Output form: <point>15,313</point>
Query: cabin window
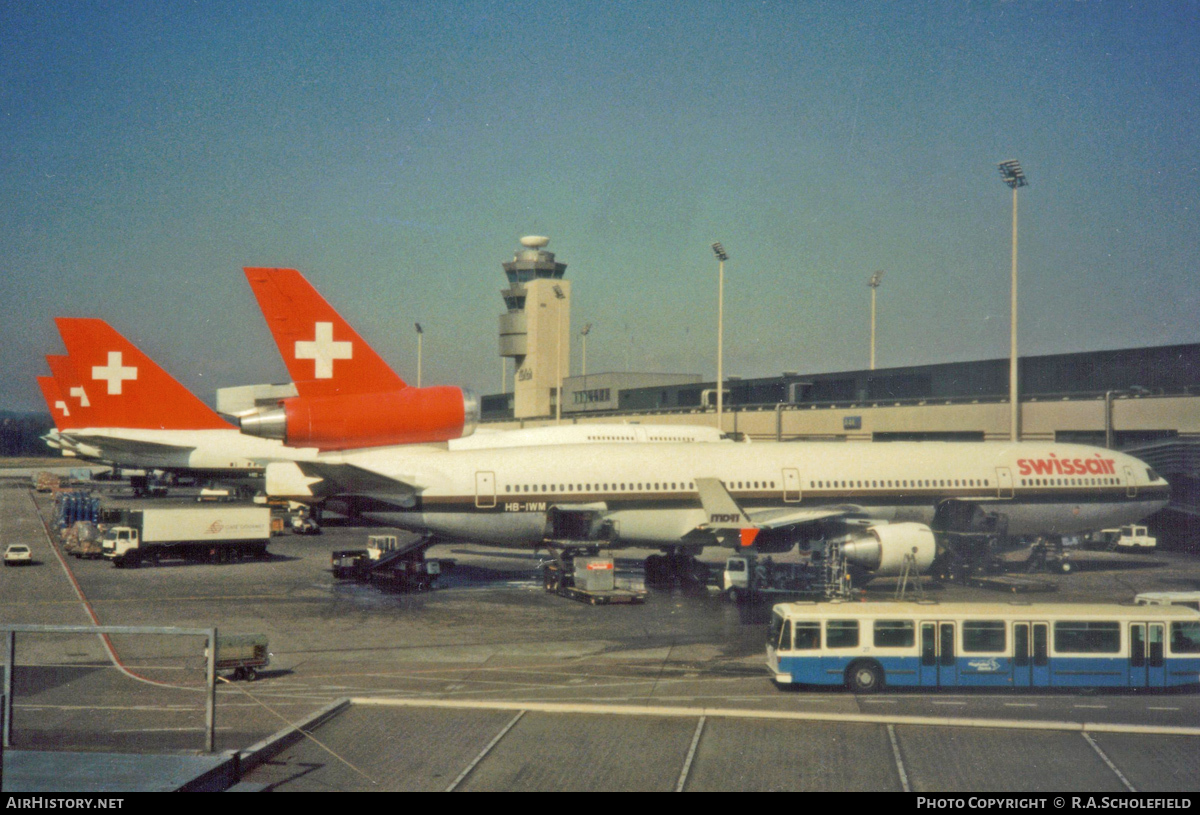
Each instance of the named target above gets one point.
<point>841,634</point>
<point>806,636</point>
<point>1087,637</point>
<point>1185,638</point>
<point>983,636</point>
<point>895,634</point>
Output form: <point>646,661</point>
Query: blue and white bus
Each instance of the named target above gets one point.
<point>865,646</point>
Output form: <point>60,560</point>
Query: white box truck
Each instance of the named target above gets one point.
<point>212,534</point>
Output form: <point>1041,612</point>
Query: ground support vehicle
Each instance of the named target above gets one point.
<point>588,579</point>
<point>17,554</point>
<point>244,654</point>
<point>304,524</point>
<point>1191,599</point>
<point>746,578</point>
<point>47,482</point>
<point>1131,538</point>
<point>215,534</point>
<point>81,540</point>
<point>866,646</point>
<point>387,561</point>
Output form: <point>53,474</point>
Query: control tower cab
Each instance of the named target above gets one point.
<point>536,329</point>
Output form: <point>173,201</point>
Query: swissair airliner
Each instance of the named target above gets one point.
<point>880,501</point>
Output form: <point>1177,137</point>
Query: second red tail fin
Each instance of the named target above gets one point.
<point>124,387</point>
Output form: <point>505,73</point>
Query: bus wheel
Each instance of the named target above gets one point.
<point>865,677</point>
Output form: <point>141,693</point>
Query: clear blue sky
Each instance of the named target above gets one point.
<point>394,152</point>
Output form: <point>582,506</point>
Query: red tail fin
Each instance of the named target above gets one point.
<point>323,354</point>
<point>60,412</point>
<point>124,387</point>
<point>76,408</point>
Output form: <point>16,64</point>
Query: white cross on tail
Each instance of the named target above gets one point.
<point>323,351</point>
<point>114,373</point>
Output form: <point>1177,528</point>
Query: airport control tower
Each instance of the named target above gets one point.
<point>536,331</point>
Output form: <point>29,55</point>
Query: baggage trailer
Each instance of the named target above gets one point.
<point>244,654</point>
<point>212,534</point>
<point>588,580</point>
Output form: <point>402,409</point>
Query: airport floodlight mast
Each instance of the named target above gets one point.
<point>587,329</point>
<point>558,295</point>
<point>1012,175</point>
<point>722,256</point>
<point>873,283</point>
<point>420,337</point>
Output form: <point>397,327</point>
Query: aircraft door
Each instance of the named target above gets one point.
<point>791,485</point>
<point>1130,483</point>
<point>1004,482</point>
<point>1146,668</point>
<point>939,663</point>
<point>485,490</point>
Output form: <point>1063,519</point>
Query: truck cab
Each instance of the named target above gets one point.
<point>118,541</point>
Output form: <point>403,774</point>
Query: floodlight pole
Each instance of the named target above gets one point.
<point>558,294</point>
<point>873,283</point>
<point>587,329</point>
<point>1014,177</point>
<point>722,256</point>
<point>420,338</point>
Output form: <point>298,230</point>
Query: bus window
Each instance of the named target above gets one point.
<point>841,634</point>
<point>984,637</point>
<point>1137,645</point>
<point>1077,637</point>
<point>928,644</point>
<point>895,634</point>
<point>1185,638</point>
<point>806,636</point>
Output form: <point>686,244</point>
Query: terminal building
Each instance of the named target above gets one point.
<point>1145,401</point>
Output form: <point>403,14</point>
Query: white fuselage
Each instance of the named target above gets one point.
<point>501,496</point>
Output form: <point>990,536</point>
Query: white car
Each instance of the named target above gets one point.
<point>17,554</point>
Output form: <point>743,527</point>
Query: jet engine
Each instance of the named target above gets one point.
<point>406,416</point>
<point>882,548</point>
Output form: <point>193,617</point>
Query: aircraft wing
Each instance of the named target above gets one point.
<point>319,479</point>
